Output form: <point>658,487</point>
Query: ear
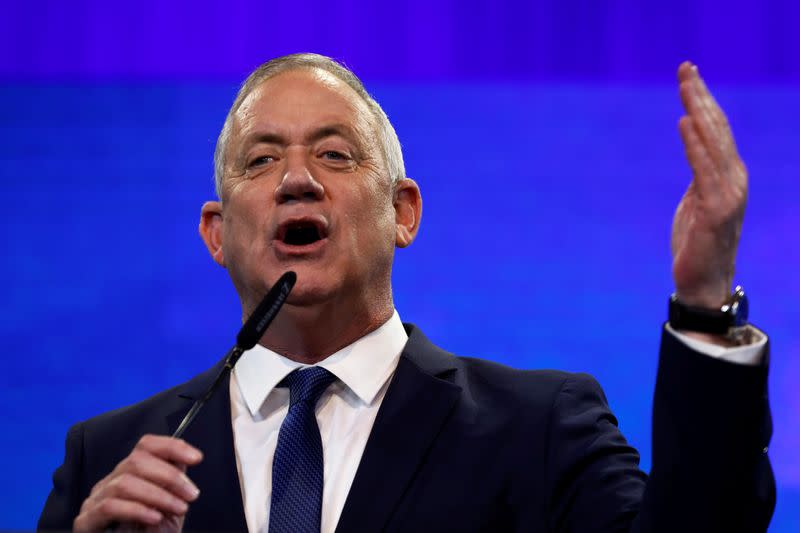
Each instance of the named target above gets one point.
<point>211,230</point>
<point>408,211</point>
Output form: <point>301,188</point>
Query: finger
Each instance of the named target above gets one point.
<point>687,78</point>
<point>685,71</point>
<point>156,470</point>
<point>133,488</point>
<point>703,119</point>
<point>691,97</point>
<point>708,99</point>
<point>723,145</point>
<point>705,173</point>
<point>719,117</point>
<point>115,510</point>
<point>731,166</point>
<point>710,123</point>
<point>170,449</point>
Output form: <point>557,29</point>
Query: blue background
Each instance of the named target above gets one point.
<point>543,135</point>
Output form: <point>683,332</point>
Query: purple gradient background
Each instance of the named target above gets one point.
<point>542,134</point>
<point>741,41</point>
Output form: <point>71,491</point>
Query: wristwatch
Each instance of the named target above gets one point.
<point>728,320</point>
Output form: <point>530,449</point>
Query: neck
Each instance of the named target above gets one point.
<point>310,333</point>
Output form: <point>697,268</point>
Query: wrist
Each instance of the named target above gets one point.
<point>720,324</point>
<point>709,297</point>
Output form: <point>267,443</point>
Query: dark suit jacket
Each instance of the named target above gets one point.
<point>464,444</point>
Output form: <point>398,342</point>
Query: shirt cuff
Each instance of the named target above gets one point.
<point>749,354</point>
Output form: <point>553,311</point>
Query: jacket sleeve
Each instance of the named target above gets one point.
<point>710,471</point>
<point>66,497</point>
<point>593,478</point>
<point>711,431</point>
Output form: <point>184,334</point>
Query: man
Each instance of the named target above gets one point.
<point>386,431</point>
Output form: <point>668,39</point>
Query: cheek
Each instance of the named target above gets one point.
<point>378,223</point>
<point>242,228</point>
<point>377,200</point>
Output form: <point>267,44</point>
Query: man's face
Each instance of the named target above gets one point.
<point>305,189</point>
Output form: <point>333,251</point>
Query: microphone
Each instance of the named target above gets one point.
<point>248,336</point>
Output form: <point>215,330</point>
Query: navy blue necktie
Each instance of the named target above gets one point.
<point>297,469</point>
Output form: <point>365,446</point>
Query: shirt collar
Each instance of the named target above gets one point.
<point>364,366</point>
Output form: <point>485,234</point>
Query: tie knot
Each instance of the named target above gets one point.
<point>307,384</point>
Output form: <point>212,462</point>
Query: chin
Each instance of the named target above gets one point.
<point>311,288</point>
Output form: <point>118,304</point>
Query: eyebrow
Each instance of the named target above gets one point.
<point>328,130</point>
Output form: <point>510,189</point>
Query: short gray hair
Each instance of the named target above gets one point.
<point>389,143</point>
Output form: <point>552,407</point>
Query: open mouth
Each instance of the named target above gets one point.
<point>301,232</point>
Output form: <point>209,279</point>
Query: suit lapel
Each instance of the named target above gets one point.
<point>219,506</point>
<point>413,411</point>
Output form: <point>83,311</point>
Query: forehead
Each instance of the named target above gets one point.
<point>297,100</point>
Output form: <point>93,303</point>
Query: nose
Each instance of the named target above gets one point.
<point>297,184</point>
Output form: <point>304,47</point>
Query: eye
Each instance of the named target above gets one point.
<point>334,155</point>
<point>260,161</point>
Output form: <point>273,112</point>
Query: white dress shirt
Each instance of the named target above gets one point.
<point>345,412</point>
<point>748,354</point>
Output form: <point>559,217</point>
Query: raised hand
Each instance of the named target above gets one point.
<point>147,488</point>
<point>708,221</point>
